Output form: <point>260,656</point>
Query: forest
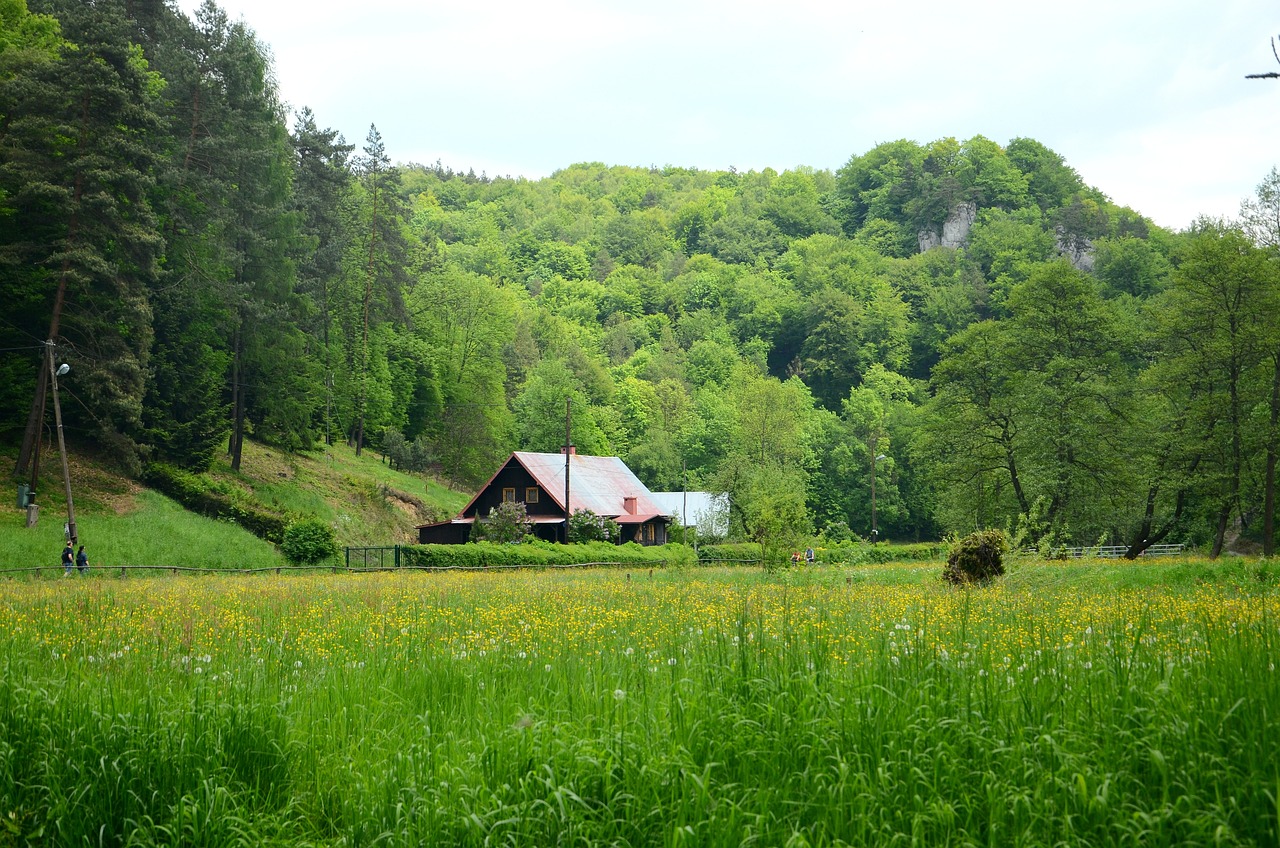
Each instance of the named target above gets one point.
<point>936,337</point>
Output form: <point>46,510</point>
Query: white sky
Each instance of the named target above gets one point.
<point>1147,100</point>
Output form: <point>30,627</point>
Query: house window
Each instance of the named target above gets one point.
<point>531,494</point>
<point>508,495</point>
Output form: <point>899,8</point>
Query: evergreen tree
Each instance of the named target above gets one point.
<point>322,178</point>
<point>76,215</point>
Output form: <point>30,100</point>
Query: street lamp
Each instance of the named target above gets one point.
<point>875,534</point>
<point>61,371</point>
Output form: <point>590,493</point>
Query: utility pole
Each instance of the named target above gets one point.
<point>568,458</point>
<point>875,534</point>
<point>62,445</point>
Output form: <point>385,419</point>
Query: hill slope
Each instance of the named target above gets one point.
<point>123,523</point>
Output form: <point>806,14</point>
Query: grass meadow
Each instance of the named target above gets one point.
<point>1067,705</point>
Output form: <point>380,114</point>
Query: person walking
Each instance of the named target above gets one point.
<point>68,558</point>
<point>82,560</point>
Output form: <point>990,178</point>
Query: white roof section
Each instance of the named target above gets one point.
<point>706,510</point>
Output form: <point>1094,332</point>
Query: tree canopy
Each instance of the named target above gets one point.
<point>1024,353</point>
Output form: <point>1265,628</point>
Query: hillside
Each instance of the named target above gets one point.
<point>122,522</point>
<point>366,501</point>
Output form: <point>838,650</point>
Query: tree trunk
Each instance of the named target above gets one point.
<point>368,297</point>
<point>236,444</point>
<point>1221,532</point>
<point>1012,465</point>
<point>1269,484</point>
<point>1144,537</point>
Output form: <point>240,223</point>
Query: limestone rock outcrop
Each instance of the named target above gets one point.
<point>955,230</point>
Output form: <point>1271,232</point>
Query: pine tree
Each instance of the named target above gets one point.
<point>76,214</point>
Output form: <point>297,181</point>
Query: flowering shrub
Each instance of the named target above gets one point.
<point>586,526</point>
<point>506,524</point>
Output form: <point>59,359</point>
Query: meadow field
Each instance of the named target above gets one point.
<point>1066,705</point>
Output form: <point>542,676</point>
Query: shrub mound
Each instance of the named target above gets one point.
<point>308,542</point>
<point>977,558</point>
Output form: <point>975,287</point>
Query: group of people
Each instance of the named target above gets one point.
<point>807,556</point>
<point>78,559</point>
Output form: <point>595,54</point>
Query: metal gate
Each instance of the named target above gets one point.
<point>383,557</point>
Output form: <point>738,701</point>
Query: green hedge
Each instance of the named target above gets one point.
<point>535,554</point>
<point>201,495</point>
<point>861,553</point>
<point>745,552</point>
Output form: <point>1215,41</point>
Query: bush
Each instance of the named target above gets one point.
<point>506,524</point>
<point>405,455</point>
<point>977,558</point>
<point>747,553</point>
<point>864,553</point>
<point>308,541</point>
<point>586,526</point>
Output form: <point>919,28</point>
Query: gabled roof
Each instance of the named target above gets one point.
<point>597,483</point>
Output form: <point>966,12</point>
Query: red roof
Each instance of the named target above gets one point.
<point>636,519</point>
<point>598,483</point>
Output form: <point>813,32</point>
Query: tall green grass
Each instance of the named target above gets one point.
<point>158,532</point>
<point>705,707</point>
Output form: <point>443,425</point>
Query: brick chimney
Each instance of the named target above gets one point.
<point>629,505</point>
<point>572,450</point>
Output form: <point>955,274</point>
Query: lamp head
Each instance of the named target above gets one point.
<point>63,369</point>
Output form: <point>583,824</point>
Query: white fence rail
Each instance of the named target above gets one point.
<point>1117,551</point>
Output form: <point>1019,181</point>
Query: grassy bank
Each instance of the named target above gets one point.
<point>152,531</point>
<point>707,706</point>
<point>123,523</point>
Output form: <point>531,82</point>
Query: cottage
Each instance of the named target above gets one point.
<point>602,484</point>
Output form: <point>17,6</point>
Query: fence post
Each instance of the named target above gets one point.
<point>397,556</point>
